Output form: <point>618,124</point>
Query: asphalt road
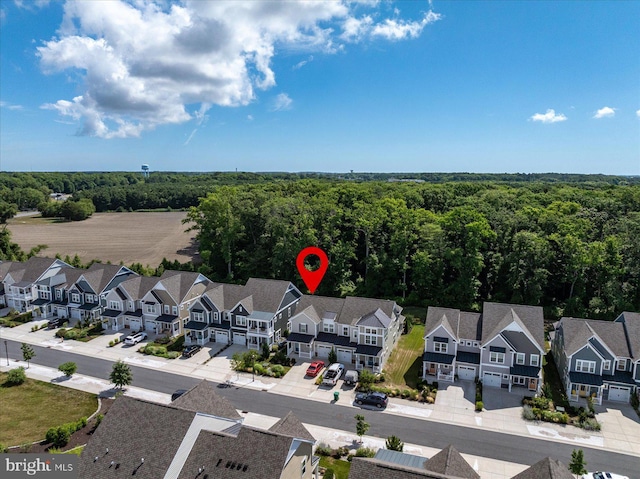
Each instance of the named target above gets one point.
<point>504,447</point>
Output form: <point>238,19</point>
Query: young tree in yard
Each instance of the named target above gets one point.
<point>333,356</point>
<point>577,465</point>
<point>68,368</point>
<point>27,353</point>
<point>393,443</point>
<point>266,351</point>
<point>121,375</point>
<point>361,426</point>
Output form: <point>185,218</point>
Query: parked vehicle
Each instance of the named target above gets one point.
<point>177,394</point>
<point>55,322</point>
<point>135,338</point>
<point>189,351</point>
<point>603,475</point>
<point>351,377</point>
<point>314,368</point>
<point>334,372</point>
<point>379,400</point>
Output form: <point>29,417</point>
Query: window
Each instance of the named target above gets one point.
<point>150,308</point>
<point>621,365</point>
<point>280,316</point>
<point>475,344</point>
<point>469,343</point>
<point>355,334</point>
<point>75,298</point>
<point>197,316</point>
<point>328,327</point>
<point>58,294</point>
<point>520,358</point>
<point>303,467</point>
<point>535,360</point>
<point>114,305</point>
<point>372,340</point>
<point>241,320</point>
<point>89,298</point>
<point>174,310</point>
<point>345,330</point>
<point>583,366</point>
<point>289,312</point>
<point>495,357</point>
<point>215,316</point>
<point>130,305</point>
<point>302,327</point>
<point>440,347</point>
<point>606,365</point>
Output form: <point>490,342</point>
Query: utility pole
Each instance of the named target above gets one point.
<point>6,348</point>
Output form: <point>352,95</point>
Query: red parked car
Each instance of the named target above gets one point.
<point>314,368</point>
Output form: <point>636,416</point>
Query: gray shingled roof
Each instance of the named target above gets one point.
<point>355,308</point>
<point>31,269</point>
<point>320,304</point>
<point>366,468</point>
<point>449,461</point>
<point>612,334</point>
<point>5,266</point>
<point>578,331</point>
<point>470,326</point>
<point>180,284</point>
<point>377,319</point>
<point>291,426</point>
<point>267,293</point>
<point>203,398</point>
<point>225,456</point>
<point>497,316</point>
<point>631,322</point>
<point>437,316</point>
<point>131,430</point>
<point>100,275</point>
<point>138,286</point>
<point>547,468</point>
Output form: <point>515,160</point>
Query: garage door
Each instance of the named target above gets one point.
<point>239,338</point>
<point>222,337</point>
<point>344,356</point>
<point>75,313</point>
<point>466,372</point>
<point>491,380</point>
<point>618,393</point>
<point>134,324</point>
<point>150,326</point>
<point>323,351</point>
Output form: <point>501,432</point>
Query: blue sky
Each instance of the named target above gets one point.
<point>504,86</point>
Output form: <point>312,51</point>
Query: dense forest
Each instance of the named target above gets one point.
<point>567,242</point>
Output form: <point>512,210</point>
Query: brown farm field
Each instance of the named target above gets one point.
<point>143,238</point>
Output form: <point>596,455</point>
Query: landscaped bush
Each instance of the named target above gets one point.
<point>173,355</point>
<point>277,370</point>
<point>479,406</point>
<point>59,436</point>
<point>15,377</point>
<point>328,474</point>
<point>365,452</point>
<point>3,449</point>
<point>540,403</point>
<point>323,450</point>
<point>590,424</point>
<point>527,413</point>
<point>163,340</point>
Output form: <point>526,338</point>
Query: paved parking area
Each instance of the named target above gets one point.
<point>499,398</point>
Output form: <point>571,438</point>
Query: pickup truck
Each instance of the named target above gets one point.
<point>333,373</point>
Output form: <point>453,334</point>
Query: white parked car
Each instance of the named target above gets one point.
<point>603,475</point>
<point>135,338</point>
<point>332,374</point>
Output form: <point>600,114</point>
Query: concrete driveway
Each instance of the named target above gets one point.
<point>498,398</point>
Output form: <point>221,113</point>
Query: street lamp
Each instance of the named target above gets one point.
<point>6,348</point>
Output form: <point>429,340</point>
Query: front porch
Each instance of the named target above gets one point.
<point>196,332</point>
<point>300,345</point>
<point>113,319</point>
<point>369,357</point>
<point>525,376</point>
<point>438,365</point>
<point>583,385</point>
<point>167,324</point>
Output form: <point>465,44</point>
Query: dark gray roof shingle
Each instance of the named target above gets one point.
<point>449,461</point>
<point>291,426</point>
<point>497,316</point>
<point>203,398</point>
<point>547,468</point>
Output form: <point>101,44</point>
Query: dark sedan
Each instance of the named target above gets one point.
<point>189,351</point>
<point>379,400</point>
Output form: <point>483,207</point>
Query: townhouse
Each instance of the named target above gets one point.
<point>598,359</point>
<point>200,434</point>
<point>123,304</point>
<point>362,331</point>
<point>503,346</point>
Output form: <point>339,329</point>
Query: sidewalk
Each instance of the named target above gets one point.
<point>620,426</point>
<point>487,468</point>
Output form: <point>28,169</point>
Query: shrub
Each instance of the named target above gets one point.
<point>527,413</point>
<point>99,419</point>
<point>435,384</point>
<point>590,424</point>
<point>3,449</point>
<point>15,377</point>
<point>319,380</point>
<point>342,451</point>
<point>258,369</point>
<point>277,370</point>
<point>69,368</point>
<point>365,452</point>
<point>60,333</point>
<point>323,449</point>
<point>173,354</point>
<point>328,473</point>
<point>163,340</point>
<point>71,334</point>
<point>479,406</point>
<point>405,393</point>
<point>635,401</point>
<point>111,343</point>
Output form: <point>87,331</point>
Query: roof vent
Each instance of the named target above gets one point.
<point>118,466</point>
<point>219,461</point>
<point>238,467</point>
<point>244,469</point>
<point>228,464</point>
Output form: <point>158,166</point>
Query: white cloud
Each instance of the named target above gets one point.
<point>638,113</point>
<point>250,117</point>
<point>549,117</point>
<point>31,4</point>
<point>605,112</point>
<point>10,106</point>
<point>299,65</point>
<point>282,102</point>
<point>146,63</point>
<point>190,137</point>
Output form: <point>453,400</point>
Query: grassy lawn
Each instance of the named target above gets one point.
<point>340,467</point>
<point>404,367</point>
<point>552,378</point>
<point>33,407</point>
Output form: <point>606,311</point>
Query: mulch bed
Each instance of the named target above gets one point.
<point>78,438</point>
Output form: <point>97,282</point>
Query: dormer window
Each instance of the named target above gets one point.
<point>621,365</point>
<point>328,327</point>
<point>440,345</point>
<point>606,365</point>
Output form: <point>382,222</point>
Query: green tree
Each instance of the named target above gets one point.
<point>333,356</point>
<point>69,368</point>
<point>266,351</point>
<point>16,376</point>
<point>27,353</point>
<point>393,443</point>
<point>121,375</point>
<point>577,465</point>
<point>361,426</point>
<point>7,211</point>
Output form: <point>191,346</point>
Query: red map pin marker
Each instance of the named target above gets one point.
<point>312,278</point>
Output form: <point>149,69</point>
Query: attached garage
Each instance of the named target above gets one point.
<point>240,338</point>
<point>467,373</point>
<point>150,327</point>
<point>75,314</point>
<point>619,393</point>
<point>222,337</point>
<point>491,379</point>
<point>344,356</point>
<point>135,324</point>
<point>323,351</point>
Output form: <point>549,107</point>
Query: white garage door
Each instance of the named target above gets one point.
<point>134,324</point>
<point>466,372</point>
<point>239,338</point>
<point>491,379</point>
<point>344,356</point>
<point>618,393</point>
<point>323,351</point>
<point>75,313</point>
<point>222,337</point>
<point>150,326</point>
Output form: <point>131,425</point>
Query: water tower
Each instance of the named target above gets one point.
<point>145,170</point>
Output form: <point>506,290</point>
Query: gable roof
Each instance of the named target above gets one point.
<point>99,275</point>
<point>320,305</point>
<point>368,468</point>
<point>355,308</point>
<point>180,283</point>
<point>547,468</point>
<point>138,286</point>
<point>291,426</point>
<point>268,294</point>
<point>377,319</point>
<point>578,331</point>
<point>497,316</point>
<point>202,398</point>
<point>631,322</point>
<point>31,270</point>
<point>450,462</point>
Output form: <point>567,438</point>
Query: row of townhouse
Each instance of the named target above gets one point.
<point>600,359</point>
<point>362,331</point>
<point>503,346</point>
